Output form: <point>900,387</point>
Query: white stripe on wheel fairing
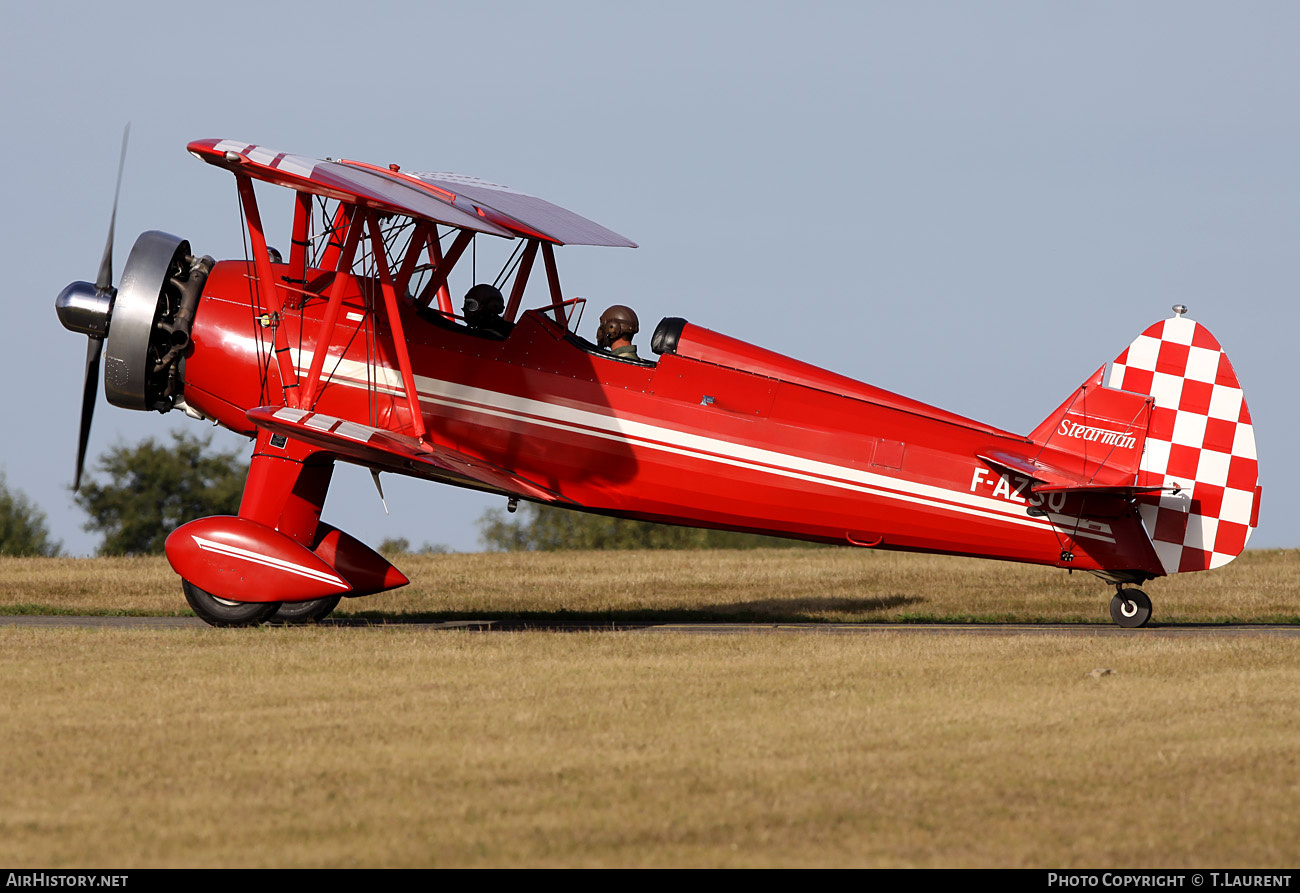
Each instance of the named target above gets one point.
<point>208,545</point>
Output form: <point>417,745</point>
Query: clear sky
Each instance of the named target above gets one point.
<point>973,204</point>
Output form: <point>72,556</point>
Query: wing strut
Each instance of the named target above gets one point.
<point>266,287</point>
<point>438,284</point>
<point>337,287</point>
<point>423,230</point>
<point>395,324</point>
<point>300,240</point>
<point>444,296</point>
<point>338,231</point>
<point>521,279</point>
<point>553,277</point>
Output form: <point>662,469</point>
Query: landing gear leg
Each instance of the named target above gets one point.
<point>1130,608</point>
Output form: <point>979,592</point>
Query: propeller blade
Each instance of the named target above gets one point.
<point>104,281</point>
<point>90,391</point>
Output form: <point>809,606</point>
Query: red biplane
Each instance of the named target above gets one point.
<point>351,350</point>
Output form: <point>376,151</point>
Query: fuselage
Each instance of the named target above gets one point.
<point>714,432</point>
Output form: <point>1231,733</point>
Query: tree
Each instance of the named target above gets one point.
<point>547,529</point>
<point>22,525</point>
<point>400,545</point>
<point>394,545</point>
<point>153,488</point>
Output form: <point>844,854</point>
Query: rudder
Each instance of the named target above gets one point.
<point>1200,444</point>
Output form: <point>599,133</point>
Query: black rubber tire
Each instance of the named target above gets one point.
<point>306,612</point>
<point>220,612</point>
<point>1130,608</point>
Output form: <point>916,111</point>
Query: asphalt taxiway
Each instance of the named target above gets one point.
<point>32,621</point>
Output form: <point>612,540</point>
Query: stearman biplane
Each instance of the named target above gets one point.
<point>351,350</point>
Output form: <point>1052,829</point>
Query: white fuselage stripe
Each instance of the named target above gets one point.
<point>605,426</point>
<point>741,456</point>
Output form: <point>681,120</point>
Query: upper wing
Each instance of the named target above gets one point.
<point>464,202</point>
<point>344,182</point>
<point>378,448</point>
<point>534,214</point>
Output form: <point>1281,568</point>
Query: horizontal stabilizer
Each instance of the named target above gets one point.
<point>1029,467</point>
<point>381,449</point>
<point>1055,480</point>
<point>1118,490</point>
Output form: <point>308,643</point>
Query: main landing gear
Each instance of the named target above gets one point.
<point>223,612</point>
<point>305,612</point>
<point>1130,608</point>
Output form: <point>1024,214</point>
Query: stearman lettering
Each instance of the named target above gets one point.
<point>1105,436</point>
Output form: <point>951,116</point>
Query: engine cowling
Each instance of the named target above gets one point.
<point>144,323</point>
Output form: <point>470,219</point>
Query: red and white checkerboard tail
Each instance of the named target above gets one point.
<point>1200,446</point>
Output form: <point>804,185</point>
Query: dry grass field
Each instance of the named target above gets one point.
<point>402,746</point>
<point>789,585</point>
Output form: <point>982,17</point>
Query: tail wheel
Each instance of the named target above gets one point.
<point>1130,608</point>
<point>223,612</point>
<point>306,612</point>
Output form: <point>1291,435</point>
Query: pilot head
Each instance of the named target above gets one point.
<point>615,323</point>
<point>483,303</point>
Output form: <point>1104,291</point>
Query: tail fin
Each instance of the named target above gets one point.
<point>1171,431</point>
<point>1091,444</point>
<point>1200,446</point>
<point>1095,437</point>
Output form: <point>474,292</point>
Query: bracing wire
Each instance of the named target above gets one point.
<point>509,268</point>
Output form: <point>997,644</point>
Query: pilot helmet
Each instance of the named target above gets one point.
<point>483,302</point>
<point>615,323</point>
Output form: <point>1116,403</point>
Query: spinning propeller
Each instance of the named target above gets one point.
<point>141,326</point>
<point>86,308</point>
